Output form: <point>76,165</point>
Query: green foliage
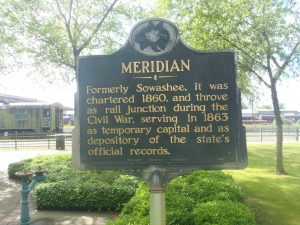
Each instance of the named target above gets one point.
<point>261,31</point>
<point>72,28</point>
<point>206,191</point>
<point>83,195</point>
<point>285,121</point>
<point>265,33</point>
<point>265,107</point>
<point>54,163</point>
<point>66,188</point>
<point>222,213</point>
<point>136,211</point>
<point>7,39</point>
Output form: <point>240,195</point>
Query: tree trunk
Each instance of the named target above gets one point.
<point>279,131</point>
<point>76,58</point>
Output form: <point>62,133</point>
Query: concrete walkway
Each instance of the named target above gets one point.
<point>10,207</point>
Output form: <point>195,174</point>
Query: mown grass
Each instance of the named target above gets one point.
<point>275,199</point>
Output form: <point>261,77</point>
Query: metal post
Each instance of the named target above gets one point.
<point>157,208</point>
<point>297,134</point>
<point>27,186</point>
<point>16,137</point>
<point>261,134</point>
<point>157,188</point>
<point>48,139</point>
<point>25,218</point>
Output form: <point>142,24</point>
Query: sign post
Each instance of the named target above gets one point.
<point>157,188</point>
<point>158,109</point>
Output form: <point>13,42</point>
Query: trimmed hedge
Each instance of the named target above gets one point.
<point>202,198</point>
<point>68,189</point>
<point>88,195</point>
<point>222,213</point>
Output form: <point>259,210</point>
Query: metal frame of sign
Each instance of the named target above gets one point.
<point>157,103</point>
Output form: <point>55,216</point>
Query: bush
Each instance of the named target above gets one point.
<point>53,163</point>
<point>87,195</point>
<point>67,188</point>
<point>186,196</point>
<point>137,210</point>
<point>222,213</point>
<point>285,121</point>
<point>203,186</point>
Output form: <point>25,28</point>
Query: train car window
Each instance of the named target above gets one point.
<point>21,116</point>
<point>46,112</point>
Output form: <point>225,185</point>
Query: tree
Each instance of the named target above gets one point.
<point>59,31</point>
<point>264,32</point>
<point>265,107</point>
<point>7,39</point>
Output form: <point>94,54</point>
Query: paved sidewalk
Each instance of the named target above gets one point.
<point>10,207</point>
<point>9,201</point>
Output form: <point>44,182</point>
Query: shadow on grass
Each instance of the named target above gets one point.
<point>273,198</point>
<point>274,203</point>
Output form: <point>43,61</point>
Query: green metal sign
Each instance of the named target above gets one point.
<point>157,102</point>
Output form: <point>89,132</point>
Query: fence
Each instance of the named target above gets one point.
<point>19,141</point>
<point>261,134</point>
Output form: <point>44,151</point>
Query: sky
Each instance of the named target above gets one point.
<point>23,83</point>
<point>37,87</point>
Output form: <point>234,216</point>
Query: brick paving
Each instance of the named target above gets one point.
<point>13,218</point>
<point>40,217</point>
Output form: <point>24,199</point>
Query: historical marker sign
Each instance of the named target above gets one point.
<point>157,102</point>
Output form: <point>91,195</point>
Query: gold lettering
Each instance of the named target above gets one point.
<point>152,67</point>
<point>185,65</point>
<point>160,66</point>
<point>149,151</point>
<point>174,67</point>
<point>156,66</point>
<point>126,69</point>
<point>145,67</point>
<point>136,67</point>
<point>167,66</point>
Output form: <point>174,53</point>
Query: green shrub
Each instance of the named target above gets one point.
<point>53,163</point>
<point>137,210</point>
<point>67,188</point>
<point>187,196</point>
<point>203,186</point>
<point>87,195</point>
<point>222,213</point>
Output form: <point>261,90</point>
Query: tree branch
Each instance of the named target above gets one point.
<point>70,12</point>
<point>122,12</point>
<point>256,74</point>
<point>287,61</point>
<point>271,56</point>
<point>87,22</point>
<point>245,53</point>
<point>270,72</point>
<point>67,22</point>
<point>97,27</point>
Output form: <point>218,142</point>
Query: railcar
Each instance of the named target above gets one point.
<point>31,117</point>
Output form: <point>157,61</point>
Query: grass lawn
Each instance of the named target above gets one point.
<point>275,199</point>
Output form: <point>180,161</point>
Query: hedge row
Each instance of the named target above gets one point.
<point>68,189</point>
<point>202,198</point>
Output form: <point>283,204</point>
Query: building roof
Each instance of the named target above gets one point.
<point>6,99</point>
<point>14,100</point>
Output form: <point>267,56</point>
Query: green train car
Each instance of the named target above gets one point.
<point>31,117</point>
